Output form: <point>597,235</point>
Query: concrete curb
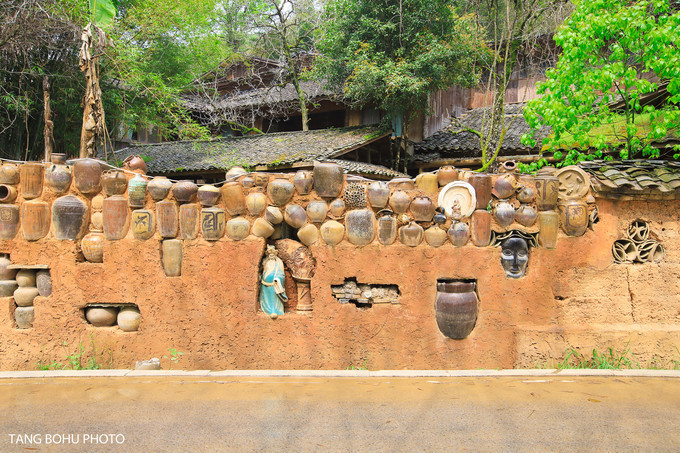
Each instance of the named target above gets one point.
<point>339,373</point>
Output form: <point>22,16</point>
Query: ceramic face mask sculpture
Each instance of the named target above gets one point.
<point>514,257</point>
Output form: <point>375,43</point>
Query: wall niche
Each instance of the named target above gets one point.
<point>364,295</point>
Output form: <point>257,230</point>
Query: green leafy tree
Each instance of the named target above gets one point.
<point>613,53</point>
<point>394,54</point>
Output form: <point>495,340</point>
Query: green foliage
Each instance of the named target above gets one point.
<point>363,366</point>
<point>174,356</point>
<point>80,359</point>
<point>394,54</point>
<point>102,12</point>
<point>611,359</point>
<point>610,47</point>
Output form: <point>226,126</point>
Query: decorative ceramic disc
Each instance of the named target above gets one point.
<point>574,182</point>
<point>459,191</point>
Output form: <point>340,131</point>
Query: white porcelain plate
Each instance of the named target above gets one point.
<point>461,191</point>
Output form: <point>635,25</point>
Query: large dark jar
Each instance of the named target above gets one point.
<point>456,308</point>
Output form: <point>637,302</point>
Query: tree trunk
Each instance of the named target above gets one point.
<point>49,124</point>
<point>93,111</point>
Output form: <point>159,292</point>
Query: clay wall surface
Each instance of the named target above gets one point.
<point>571,296</point>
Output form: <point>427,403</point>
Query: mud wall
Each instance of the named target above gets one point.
<point>571,296</point>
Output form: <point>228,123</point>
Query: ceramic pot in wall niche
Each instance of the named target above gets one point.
<point>137,191</point>
<point>328,179</point>
<point>7,193</point>
<point>43,281</point>
<point>261,179</point>
<point>208,195</point>
<point>526,215</point>
<point>128,319</point>
<point>480,232</point>
<point>458,233</point>
<point>547,191</point>
<point>262,228</point>
<point>115,212</point>
<point>422,209</point>
<point>87,174</point>
<point>159,187</point>
<point>32,174</point>
<point>411,234</point>
<point>548,225</point>
<point>387,227</point>
<point>295,215</point>
<point>273,215</point>
<point>280,191</point>
<point>5,272</point>
<point>9,221</point>
<point>427,182</point>
<point>332,232</point>
<point>184,191</point>
<point>360,225</point>
<point>35,219</point>
<point>25,278</point>
<point>23,296</point>
<point>114,182</point>
<point>456,309</point>
<point>573,217</point>
<point>526,194</point>
<point>168,218</point>
<point>7,288</point>
<point>316,211</point>
<point>378,194</point>
<point>188,220</point>
<point>481,182</point>
<point>135,163</point>
<point>142,224</point>
<point>213,223</point>
<point>58,178</point>
<point>435,236</point>
<point>171,257</point>
<point>505,186</point>
<point>446,174</point>
<point>400,201</point>
<point>238,228</point>
<point>9,173</point>
<point>24,317</point>
<point>97,202</point>
<point>92,247</point>
<point>256,203</point>
<point>101,316</point>
<point>303,182</point>
<point>308,234</point>
<point>439,216</point>
<point>337,209</point>
<point>69,216</point>
<point>97,221</point>
<point>504,213</point>
<point>233,198</point>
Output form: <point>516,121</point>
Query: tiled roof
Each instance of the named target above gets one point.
<point>277,149</point>
<point>654,179</point>
<point>363,168</point>
<point>456,139</point>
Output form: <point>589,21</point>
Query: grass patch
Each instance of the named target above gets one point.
<point>80,358</point>
<point>611,359</point>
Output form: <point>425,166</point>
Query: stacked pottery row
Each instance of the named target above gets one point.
<point>24,285</point>
<point>127,318</point>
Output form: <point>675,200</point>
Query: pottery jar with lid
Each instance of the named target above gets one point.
<point>32,174</point>
<point>137,191</point>
<point>328,179</point>
<point>114,182</point>
<point>87,175</point>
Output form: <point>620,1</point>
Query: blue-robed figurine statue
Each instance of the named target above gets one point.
<point>272,293</point>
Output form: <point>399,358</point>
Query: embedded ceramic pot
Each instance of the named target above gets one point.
<point>360,226</point>
<point>547,191</point>
<point>481,228</point>
<point>411,234</point>
<point>573,217</point>
<point>446,175</point>
<point>35,220</point>
<point>115,213</point>
<point>435,236</point>
<point>458,233</point>
<point>328,179</point>
<point>295,215</point>
<point>114,182</point>
<point>184,191</point>
<point>332,232</point>
<point>303,182</point>
<point>280,191</point>
<point>505,186</point>
<point>128,319</point>
<point>337,208</point>
<point>481,182</point>
<point>168,218</point>
<point>213,223</point>
<point>9,173</point>
<point>504,213</point>
<point>427,182</point>
<point>24,317</point>
<point>87,174</point>
<point>526,215</point>
<point>92,247</point>
<point>25,278</point>
<point>32,174</point>
<point>256,203</point>
<point>7,288</point>
<point>261,179</point>
<point>208,195</point>
<point>238,228</point>
<point>143,224</point>
<point>378,194</point>
<point>400,201</point>
<point>101,316</point>
<point>548,225</point>
<point>387,227</point>
<point>456,308</point>
<point>69,216</point>
<point>316,211</point>
<point>171,257</point>
<point>43,281</point>
<point>7,193</point>
<point>9,221</point>
<point>135,163</point>
<point>273,215</point>
<point>137,191</point>
<point>233,198</point>
<point>5,272</point>
<point>526,194</point>
<point>422,209</point>
<point>262,228</point>
<point>159,188</point>
<point>23,296</point>
<point>188,220</point>
<point>58,178</point>
<point>308,234</point>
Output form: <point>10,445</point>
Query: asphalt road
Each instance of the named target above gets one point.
<point>205,414</point>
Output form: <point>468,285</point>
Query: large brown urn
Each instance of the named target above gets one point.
<point>115,213</point>
<point>35,220</point>
<point>456,308</point>
<point>32,180</point>
<point>328,179</point>
<point>87,174</point>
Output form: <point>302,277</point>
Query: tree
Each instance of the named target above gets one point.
<point>515,31</point>
<point>394,54</point>
<point>614,53</point>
